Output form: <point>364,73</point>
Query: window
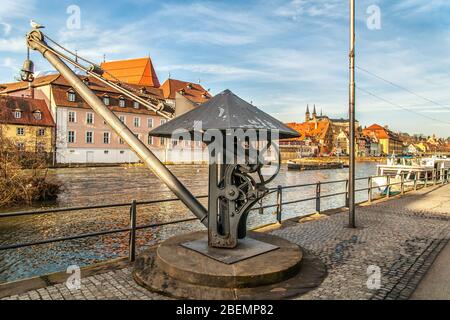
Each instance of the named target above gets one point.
<point>106,137</point>
<point>20,146</point>
<point>71,96</point>
<point>163,121</point>
<point>71,137</point>
<point>150,122</point>
<point>149,139</point>
<point>122,151</point>
<point>137,122</point>
<point>135,104</point>
<point>89,137</point>
<point>20,131</point>
<point>41,132</point>
<point>122,102</point>
<point>174,142</point>
<point>122,119</point>
<point>106,100</point>
<point>106,151</point>
<point>17,114</point>
<point>37,115</point>
<point>162,141</point>
<point>89,118</point>
<point>121,141</point>
<point>72,116</point>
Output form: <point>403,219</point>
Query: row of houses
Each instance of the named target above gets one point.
<point>321,135</point>
<point>49,116</point>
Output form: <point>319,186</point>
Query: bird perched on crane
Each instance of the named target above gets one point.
<point>36,25</point>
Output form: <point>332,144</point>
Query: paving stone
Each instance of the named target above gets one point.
<point>402,237</point>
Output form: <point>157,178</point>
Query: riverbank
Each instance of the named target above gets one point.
<point>398,237</point>
<point>344,160</point>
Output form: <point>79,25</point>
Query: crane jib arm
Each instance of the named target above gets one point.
<point>35,41</point>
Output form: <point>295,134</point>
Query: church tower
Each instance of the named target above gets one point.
<point>314,114</point>
<point>307,115</point>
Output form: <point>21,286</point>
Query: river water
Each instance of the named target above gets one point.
<point>94,186</point>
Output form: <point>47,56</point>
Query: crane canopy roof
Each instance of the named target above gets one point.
<point>224,111</point>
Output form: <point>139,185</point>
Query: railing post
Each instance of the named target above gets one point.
<point>425,183</point>
<point>434,174</point>
<point>279,203</point>
<point>402,184</point>
<point>369,190</point>
<point>388,186</point>
<point>318,197</point>
<point>132,245</point>
<point>346,194</point>
<point>415,179</point>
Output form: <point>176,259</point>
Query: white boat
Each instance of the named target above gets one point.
<point>410,169</point>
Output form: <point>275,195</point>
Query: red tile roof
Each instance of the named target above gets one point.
<point>22,85</point>
<point>380,132</point>
<point>192,91</point>
<point>309,130</point>
<point>60,88</point>
<point>134,71</point>
<point>60,95</point>
<point>28,108</point>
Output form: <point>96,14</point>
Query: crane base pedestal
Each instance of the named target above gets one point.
<point>176,270</point>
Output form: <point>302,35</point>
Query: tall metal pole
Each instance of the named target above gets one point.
<point>35,41</point>
<point>351,111</point>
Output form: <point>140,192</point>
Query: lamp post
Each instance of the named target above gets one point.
<point>351,178</point>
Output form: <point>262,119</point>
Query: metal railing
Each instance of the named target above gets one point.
<point>425,178</point>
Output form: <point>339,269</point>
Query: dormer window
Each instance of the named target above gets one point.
<point>37,115</point>
<point>143,90</point>
<point>71,96</point>
<point>122,102</point>
<point>135,104</point>
<point>106,100</point>
<point>86,81</point>
<point>190,86</point>
<point>17,114</point>
<point>205,95</point>
<point>182,92</point>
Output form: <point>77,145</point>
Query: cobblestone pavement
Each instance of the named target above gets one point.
<point>399,238</point>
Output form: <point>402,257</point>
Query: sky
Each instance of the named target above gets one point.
<point>279,54</point>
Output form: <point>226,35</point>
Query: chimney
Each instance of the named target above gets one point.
<point>31,89</point>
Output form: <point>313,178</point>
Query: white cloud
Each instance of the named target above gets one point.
<point>16,8</point>
<point>214,69</point>
<point>15,45</point>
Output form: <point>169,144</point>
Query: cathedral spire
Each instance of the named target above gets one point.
<point>314,110</point>
<point>307,115</point>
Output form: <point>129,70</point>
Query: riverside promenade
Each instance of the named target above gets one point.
<point>401,237</point>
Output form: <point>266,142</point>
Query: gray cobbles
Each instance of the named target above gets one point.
<point>401,237</point>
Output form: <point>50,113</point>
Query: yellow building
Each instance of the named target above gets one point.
<point>27,123</point>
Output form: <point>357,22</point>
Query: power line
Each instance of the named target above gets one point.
<point>399,106</point>
<point>403,88</point>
